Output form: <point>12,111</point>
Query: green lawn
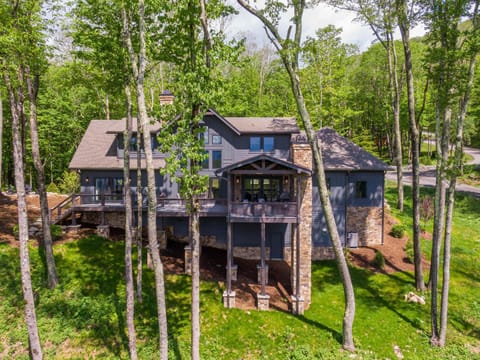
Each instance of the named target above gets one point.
<point>84,317</point>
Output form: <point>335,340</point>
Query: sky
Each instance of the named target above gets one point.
<point>246,25</point>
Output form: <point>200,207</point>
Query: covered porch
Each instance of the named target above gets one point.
<point>263,190</point>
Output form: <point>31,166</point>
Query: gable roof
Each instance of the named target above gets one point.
<point>287,164</point>
<point>97,149</point>
<point>339,153</point>
<point>258,125</point>
<point>264,125</point>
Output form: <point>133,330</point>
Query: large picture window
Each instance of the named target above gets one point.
<point>110,187</point>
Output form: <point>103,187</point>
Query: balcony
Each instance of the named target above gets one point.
<point>263,211</point>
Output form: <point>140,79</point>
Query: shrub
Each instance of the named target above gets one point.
<point>53,188</point>
<point>69,182</point>
<point>56,231</point>
<point>398,231</point>
<point>379,260</point>
<point>15,231</point>
<point>409,251</point>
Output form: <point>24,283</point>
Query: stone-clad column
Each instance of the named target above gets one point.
<point>302,156</point>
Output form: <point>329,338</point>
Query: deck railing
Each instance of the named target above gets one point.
<point>271,209</point>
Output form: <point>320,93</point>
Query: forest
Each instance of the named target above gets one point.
<point>65,64</point>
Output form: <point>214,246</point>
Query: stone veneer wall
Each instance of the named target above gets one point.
<point>250,252</point>
<point>323,253</point>
<point>113,219</point>
<point>367,222</point>
<point>302,156</point>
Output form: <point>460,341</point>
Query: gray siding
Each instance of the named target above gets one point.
<point>342,195</point>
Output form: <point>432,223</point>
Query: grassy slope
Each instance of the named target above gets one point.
<point>84,317</point>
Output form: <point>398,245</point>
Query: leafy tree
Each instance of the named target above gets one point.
<point>453,54</point>
<point>199,52</point>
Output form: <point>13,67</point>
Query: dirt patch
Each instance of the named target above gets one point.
<point>8,213</point>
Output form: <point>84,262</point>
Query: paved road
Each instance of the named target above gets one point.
<point>428,174</point>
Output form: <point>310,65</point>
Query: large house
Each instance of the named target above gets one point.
<point>262,201</point>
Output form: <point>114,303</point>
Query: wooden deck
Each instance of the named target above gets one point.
<point>246,212</point>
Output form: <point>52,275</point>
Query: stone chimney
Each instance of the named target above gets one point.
<point>166,98</point>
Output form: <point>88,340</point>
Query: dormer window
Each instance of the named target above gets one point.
<point>262,143</point>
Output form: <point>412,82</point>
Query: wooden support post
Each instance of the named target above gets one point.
<point>262,257</point>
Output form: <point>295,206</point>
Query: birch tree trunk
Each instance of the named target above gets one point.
<point>289,53</point>
<point>29,305</point>
<point>404,26</point>
<point>138,62</point>
<point>195,244</point>
<point>139,231</point>
<point>47,243</point>
<point>129,289</point>
<point>395,89</point>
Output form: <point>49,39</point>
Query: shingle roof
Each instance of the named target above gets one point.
<point>259,125</point>
<point>253,159</point>
<point>339,153</point>
<point>97,149</point>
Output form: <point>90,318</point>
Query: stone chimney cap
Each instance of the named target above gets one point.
<point>166,97</point>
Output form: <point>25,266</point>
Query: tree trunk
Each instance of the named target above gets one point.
<point>138,68</point>
<point>139,216</point>
<point>395,88</point>
<point>415,147</point>
<point>47,243</point>
<point>129,289</point>
<point>195,245</point>
<point>30,316</point>
<point>1,140</point>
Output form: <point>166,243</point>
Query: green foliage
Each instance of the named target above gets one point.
<point>53,188</point>
<point>69,183</point>
<point>379,260</point>
<point>398,231</point>
<point>15,230</point>
<point>56,231</point>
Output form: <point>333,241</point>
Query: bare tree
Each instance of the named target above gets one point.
<point>289,50</point>
<point>1,139</point>
<point>16,109</point>
<point>138,64</point>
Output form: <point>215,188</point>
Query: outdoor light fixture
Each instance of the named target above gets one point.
<point>237,179</point>
<point>87,179</point>
<point>285,180</point>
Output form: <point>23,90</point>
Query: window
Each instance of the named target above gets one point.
<point>268,143</point>
<point>216,159</point>
<point>255,143</point>
<point>361,189</point>
<point>216,139</point>
<point>110,187</point>
<point>265,143</point>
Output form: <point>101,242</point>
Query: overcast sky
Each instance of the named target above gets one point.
<point>245,24</point>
